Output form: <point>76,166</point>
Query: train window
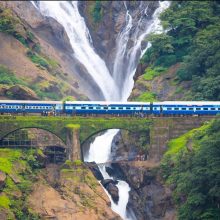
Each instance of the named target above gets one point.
<point>183,108</point>
<point>113,108</point>
<point>169,108</point>
<point>212,108</point>
<point>155,108</point>
<point>83,108</point>
<point>205,109</point>
<point>176,108</point>
<point>218,108</point>
<point>90,107</point>
<point>128,108</point>
<point>198,108</point>
<point>98,107</point>
<point>120,108</point>
<point>105,107</point>
<point>191,109</point>
<point>73,107</point>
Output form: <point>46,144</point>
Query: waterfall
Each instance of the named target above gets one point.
<point>130,56</point>
<point>100,152</point>
<point>67,14</point>
<point>115,86</point>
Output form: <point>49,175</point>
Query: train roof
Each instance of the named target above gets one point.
<point>107,103</point>
<point>29,102</point>
<point>187,103</point>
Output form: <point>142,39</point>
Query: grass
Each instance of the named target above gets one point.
<point>4,202</point>
<point>16,163</point>
<point>7,157</point>
<point>73,126</point>
<point>146,97</point>
<point>38,59</point>
<point>180,143</point>
<point>151,73</point>
<point>8,77</point>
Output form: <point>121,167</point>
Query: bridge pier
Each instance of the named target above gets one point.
<point>73,143</point>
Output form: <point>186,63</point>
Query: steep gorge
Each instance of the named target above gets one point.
<point>115,29</point>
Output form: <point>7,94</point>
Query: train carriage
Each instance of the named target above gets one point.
<point>24,106</point>
<point>106,107</point>
<point>186,108</point>
<point>112,108</point>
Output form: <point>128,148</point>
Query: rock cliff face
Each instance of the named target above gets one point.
<point>30,189</point>
<point>70,194</point>
<point>104,31</point>
<point>40,40</point>
<point>149,197</point>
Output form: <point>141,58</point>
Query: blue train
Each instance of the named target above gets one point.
<point>112,108</point>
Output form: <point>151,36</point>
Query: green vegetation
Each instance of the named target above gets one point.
<point>97,11</point>
<point>73,126</point>
<point>192,39</point>
<point>38,59</point>
<point>192,166</point>
<point>19,167</point>
<point>150,73</point>
<point>68,98</point>
<point>10,24</point>
<point>4,202</point>
<point>8,77</point>
<point>146,97</point>
<point>7,21</point>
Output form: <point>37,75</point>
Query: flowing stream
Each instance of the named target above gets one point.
<point>115,85</point>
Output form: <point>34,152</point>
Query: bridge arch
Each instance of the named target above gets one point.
<point>33,127</point>
<point>41,130</point>
<point>121,148</point>
<point>94,133</point>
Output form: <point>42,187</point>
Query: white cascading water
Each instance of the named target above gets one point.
<point>103,143</point>
<point>125,63</point>
<point>67,14</point>
<point>131,56</point>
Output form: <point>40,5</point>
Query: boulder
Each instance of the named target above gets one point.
<point>95,170</point>
<point>21,93</point>
<point>108,181</point>
<point>112,189</point>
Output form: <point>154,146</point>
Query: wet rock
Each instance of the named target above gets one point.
<point>112,189</point>
<point>148,197</point>
<point>108,181</point>
<point>2,179</point>
<point>95,170</point>
<point>110,171</point>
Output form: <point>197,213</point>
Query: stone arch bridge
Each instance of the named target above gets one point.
<point>74,131</point>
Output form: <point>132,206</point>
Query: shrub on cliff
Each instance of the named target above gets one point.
<point>192,38</point>
<point>8,77</point>
<point>191,165</point>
